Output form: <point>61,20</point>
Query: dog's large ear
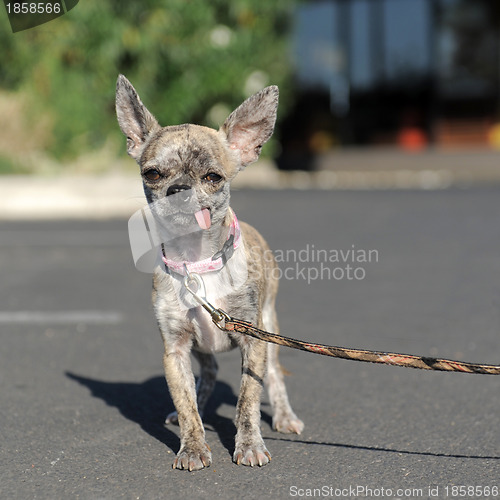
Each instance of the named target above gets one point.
<point>251,125</point>
<point>135,121</point>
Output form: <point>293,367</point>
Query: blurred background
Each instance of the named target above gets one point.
<point>398,79</point>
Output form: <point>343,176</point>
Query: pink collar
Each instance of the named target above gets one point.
<point>214,263</point>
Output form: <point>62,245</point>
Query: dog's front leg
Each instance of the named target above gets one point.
<point>250,448</point>
<point>194,453</point>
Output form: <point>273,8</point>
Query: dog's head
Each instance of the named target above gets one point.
<point>187,169</point>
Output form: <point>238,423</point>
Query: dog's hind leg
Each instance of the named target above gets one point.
<point>206,382</point>
<point>284,418</point>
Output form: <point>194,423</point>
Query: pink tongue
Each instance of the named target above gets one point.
<point>203,218</point>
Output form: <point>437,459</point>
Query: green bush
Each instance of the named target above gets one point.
<point>191,60</point>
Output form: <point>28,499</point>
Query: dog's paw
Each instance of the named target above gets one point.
<point>172,418</point>
<point>193,458</point>
<point>288,424</point>
<point>252,455</point>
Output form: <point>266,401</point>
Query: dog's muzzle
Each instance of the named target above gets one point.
<point>179,188</point>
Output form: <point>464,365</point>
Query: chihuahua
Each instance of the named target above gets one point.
<point>194,165</point>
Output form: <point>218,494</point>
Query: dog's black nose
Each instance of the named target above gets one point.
<point>177,188</point>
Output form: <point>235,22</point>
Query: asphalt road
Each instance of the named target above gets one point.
<point>82,394</point>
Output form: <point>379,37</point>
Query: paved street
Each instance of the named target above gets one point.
<point>82,393</point>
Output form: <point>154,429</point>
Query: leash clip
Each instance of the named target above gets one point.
<point>195,285</point>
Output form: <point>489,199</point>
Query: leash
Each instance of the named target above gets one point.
<point>193,282</point>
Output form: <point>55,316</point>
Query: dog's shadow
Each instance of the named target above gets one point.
<point>148,403</point>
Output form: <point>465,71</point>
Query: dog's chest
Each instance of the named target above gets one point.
<point>194,325</point>
<point>206,336</point>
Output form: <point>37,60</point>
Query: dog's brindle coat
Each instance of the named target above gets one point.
<point>206,161</point>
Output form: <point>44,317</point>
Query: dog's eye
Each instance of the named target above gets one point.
<point>212,177</point>
<point>152,175</point>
